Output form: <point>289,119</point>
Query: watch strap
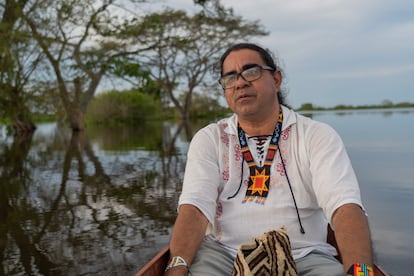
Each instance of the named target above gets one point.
<point>176,261</point>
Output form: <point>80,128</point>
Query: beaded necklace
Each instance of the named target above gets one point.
<point>259,179</point>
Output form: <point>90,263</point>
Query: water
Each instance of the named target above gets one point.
<point>381,147</point>
<point>104,203</point>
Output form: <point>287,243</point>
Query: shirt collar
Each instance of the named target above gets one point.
<point>289,119</point>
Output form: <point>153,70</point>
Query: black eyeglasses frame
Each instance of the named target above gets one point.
<point>237,75</point>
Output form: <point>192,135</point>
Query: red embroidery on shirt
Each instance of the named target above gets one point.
<point>224,136</point>
<point>226,174</point>
<point>279,169</point>
<point>237,152</point>
<point>219,210</point>
<point>285,133</point>
<point>282,147</point>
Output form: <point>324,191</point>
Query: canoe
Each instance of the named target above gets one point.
<point>156,266</point>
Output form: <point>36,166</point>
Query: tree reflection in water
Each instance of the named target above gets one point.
<point>100,202</point>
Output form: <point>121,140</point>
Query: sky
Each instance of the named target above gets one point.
<point>335,52</point>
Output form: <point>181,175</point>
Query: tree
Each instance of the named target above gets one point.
<point>84,41</point>
<point>81,39</point>
<point>387,103</point>
<point>19,58</point>
<point>190,48</point>
<point>306,106</point>
<point>203,106</point>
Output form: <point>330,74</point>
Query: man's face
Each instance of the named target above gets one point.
<point>256,99</point>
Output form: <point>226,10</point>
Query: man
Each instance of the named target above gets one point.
<point>263,168</point>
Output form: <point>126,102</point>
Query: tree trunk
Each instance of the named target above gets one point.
<point>23,127</point>
<point>185,115</point>
<point>20,116</point>
<point>77,120</point>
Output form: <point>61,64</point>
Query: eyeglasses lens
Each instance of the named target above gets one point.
<point>250,74</point>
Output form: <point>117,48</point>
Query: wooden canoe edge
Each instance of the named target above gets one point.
<point>156,266</point>
<point>378,271</point>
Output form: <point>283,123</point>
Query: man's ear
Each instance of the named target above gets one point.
<point>277,76</point>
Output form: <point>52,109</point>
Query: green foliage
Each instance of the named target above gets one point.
<point>128,68</point>
<point>306,106</point>
<point>384,104</point>
<point>206,107</point>
<point>342,107</point>
<point>404,104</point>
<point>189,48</point>
<point>131,106</point>
<point>162,52</point>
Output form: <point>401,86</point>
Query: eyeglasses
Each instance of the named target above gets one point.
<point>249,74</point>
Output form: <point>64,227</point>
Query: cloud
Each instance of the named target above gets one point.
<point>342,46</point>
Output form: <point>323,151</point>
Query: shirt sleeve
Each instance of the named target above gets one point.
<point>201,178</point>
<point>333,178</point>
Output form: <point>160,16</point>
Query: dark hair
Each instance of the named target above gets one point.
<point>265,54</point>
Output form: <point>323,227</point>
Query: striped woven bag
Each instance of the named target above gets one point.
<point>269,254</point>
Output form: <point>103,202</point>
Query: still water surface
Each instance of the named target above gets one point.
<point>103,203</point>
